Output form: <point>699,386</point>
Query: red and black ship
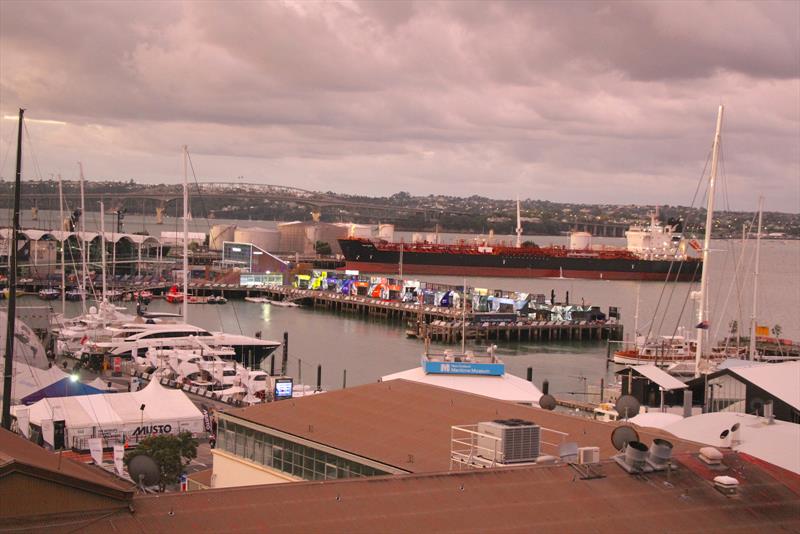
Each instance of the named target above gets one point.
<point>524,262</point>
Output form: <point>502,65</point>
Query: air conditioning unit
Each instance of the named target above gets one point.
<point>518,441</point>
<point>588,455</point>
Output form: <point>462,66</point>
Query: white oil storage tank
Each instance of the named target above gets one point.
<point>580,240</point>
<point>220,233</point>
<point>263,238</point>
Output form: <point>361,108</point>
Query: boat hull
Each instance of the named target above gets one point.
<point>366,257</point>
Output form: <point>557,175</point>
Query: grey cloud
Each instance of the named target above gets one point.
<point>578,101</point>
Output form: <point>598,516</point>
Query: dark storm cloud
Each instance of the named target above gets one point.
<point>570,101</point>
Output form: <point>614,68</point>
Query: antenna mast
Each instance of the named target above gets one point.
<point>519,226</point>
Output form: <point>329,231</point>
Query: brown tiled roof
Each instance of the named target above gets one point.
<point>16,452</point>
<point>544,499</point>
<point>407,425</point>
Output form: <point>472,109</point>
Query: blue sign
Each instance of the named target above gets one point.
<point>462,368</point>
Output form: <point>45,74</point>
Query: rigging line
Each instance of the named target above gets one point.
<point>205,211</point>
<point>684,231</point>
<point>685,300</point>
<point>32,152</point>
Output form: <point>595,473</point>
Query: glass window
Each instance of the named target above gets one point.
<point>249,446</point>
<point>331,471</point>
<point>240,438</point>
<point>258,455</point>
<point>277,457</point>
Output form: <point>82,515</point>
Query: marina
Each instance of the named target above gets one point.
<point>365,301</point>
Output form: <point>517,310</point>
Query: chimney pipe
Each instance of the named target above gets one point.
<point>546,387</point>
<point>319,377</point>
<point>687,402</point>
<point>530,374</point>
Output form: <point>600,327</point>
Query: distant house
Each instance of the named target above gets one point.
<point>747,388</point>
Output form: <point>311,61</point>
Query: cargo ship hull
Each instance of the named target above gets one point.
<point>366,257</point>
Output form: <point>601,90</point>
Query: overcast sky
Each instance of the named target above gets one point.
<point>569,102</point>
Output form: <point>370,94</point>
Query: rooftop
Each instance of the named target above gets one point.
<point>778,379</point>
<point>656,375</point>
<point>17,453</point>
<point>506,387</point>
<point>777,443</point>
<point>408,425</point>
<point>511,499</point>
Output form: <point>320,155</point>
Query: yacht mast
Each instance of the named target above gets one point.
<point>752,351</point>
<point>702,312</point>
<point>63,247</point>
<point>103,249</point>
<point>8,367</point>
<point>82,285</point>
<point>185,234</point>
<point>519,226</point>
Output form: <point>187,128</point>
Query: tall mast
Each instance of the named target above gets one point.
<point>702,312</point>
<point>8,367</point>
<point>519,226</point>
<point>752,351</point>
<point>185,234</point>
<point>82,285</point>
<point>103,248</point>
<point>464,319</point>
<point>63,245</point>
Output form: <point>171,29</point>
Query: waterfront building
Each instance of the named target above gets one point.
<point>391,427</point>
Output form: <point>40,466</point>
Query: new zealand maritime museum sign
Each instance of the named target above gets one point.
<point>462,368</point>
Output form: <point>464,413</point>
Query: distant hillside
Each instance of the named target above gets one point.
<point>456,214</point>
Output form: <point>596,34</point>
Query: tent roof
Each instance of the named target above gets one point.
<point>657,376</point>
<point>107,409</point>
<point>506,387</point>
<point>66,387</point>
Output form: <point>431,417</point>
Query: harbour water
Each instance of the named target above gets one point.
<point>370,348</point>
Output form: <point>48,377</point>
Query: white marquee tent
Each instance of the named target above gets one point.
<point>116,417</point>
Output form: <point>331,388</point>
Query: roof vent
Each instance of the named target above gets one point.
<point>726,485</point>
<point>711,456</point>
<point>660,454</point>
<point>636,455</point>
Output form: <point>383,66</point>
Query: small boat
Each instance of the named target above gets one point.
<point>49,293</point>
<point>285,304</point>
<point>196,299</point>
<point>174,296</point>
<point>74,295</point>
<point>258,300</point>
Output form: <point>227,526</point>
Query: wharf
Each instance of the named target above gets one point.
<point>445,324</point>
<point>441,324</point>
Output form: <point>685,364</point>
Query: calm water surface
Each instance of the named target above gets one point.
<point>369,349</point>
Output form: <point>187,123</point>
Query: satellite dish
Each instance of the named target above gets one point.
<point>547,402</point>
<point>144,470</point>
<point>724,434</point>
<point>627,406</point>
<point>622,435</point>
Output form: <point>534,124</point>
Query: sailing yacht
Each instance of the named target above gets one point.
<point>677,351</point>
